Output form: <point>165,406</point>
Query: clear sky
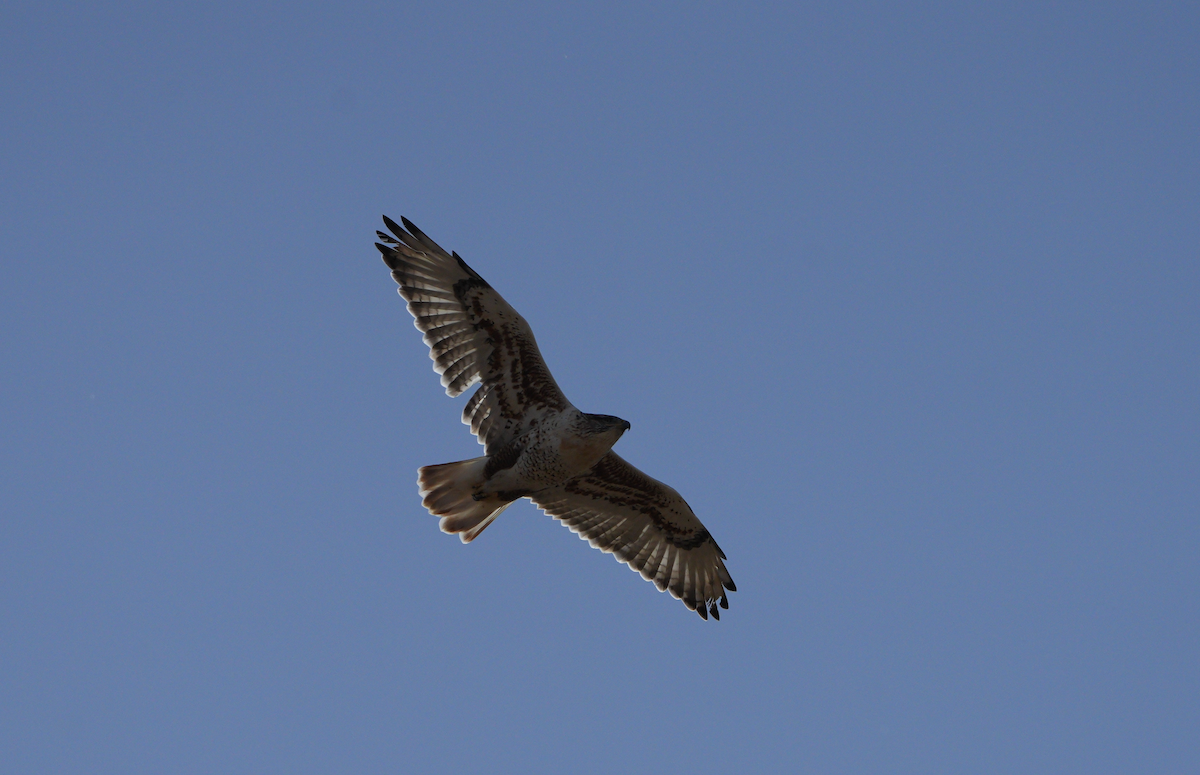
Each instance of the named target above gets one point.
<point>903,298</point>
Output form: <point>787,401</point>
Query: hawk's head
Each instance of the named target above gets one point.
<point>598,424</point>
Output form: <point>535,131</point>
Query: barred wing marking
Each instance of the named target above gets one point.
<point>646,525</point>
<point>474,335</point>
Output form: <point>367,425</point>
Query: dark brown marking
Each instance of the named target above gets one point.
<point>504,458</point>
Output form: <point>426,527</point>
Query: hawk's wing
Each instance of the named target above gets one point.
<point>474,335</point>
<point>648,526</point>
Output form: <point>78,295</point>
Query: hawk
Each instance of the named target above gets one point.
<point>537,444</point>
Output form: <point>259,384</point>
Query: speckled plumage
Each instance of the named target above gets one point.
<point>537,444</point>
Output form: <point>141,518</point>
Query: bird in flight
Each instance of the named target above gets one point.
<point>537,444</point>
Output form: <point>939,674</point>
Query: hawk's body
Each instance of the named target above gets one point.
<point>537,444</point>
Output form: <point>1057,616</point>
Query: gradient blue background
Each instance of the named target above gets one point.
<point>904,301</point>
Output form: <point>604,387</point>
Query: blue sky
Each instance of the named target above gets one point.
<point>902,299</point>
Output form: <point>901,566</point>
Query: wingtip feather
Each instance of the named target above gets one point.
<point>393,227</point>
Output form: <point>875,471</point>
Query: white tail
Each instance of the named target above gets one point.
<point>448,490</point>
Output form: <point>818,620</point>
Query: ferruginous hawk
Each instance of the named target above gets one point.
<point>537,444</point>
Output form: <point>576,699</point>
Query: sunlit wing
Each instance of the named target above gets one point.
<point>474,335</point>
<point>646,525</point>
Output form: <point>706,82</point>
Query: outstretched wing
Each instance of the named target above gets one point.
<point>474,335</point>
<point>648,526</point>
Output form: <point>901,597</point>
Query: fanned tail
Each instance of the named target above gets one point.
<point>448,491</point>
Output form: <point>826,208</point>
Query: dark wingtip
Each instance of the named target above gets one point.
<point>724,602</point>
<point>395,229</point>
<point>731,586</point>
<point>703,611</point>
<point>712,609</point>
<point>385,237</point>
<point>419,237</point>
<point>388,256</point>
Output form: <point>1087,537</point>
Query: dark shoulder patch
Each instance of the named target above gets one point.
<point>474,275</point>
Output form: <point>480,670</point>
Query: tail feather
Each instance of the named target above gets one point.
<point>448,491</point>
